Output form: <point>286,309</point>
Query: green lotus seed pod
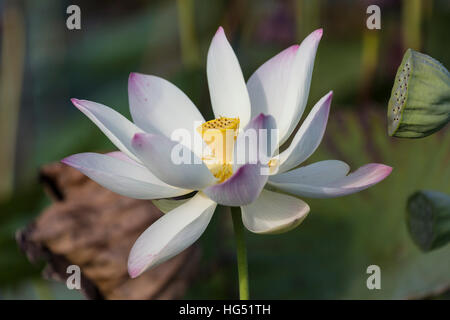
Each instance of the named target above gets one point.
<point>420,98</point>
<point>428,218</point>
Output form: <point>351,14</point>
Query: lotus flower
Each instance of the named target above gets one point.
<point>275,96</point>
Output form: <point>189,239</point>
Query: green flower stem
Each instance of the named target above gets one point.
<point>189,44</point>
<point>241,251</point>
<point>411,19</point>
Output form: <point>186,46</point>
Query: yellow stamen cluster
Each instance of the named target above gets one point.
<point>220,134</point>
<point>221,123</point>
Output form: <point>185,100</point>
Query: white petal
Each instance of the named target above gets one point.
<point>327,179</point>
<point>122,156</point>
<point>269,84</point>
<point>158,106</point>
<point>318,173</point>
<point>308,137</point>
<point>171,234</point>
<point>280,86</point>
<point>274,212</point>
<point>122,177</point>
<point>229,96</point>
<point>172,162</point>
<point>115,126</point>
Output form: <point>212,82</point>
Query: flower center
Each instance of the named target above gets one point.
<point>220,135</point>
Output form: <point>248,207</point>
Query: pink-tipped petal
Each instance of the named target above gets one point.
<point>301,181</point>
<point>242,188</point>
<point>115,126</point>
<point>229,96</point>
<point>169,235</point>
<point>159,107</point>
<point>220,30</point>
<point>318,173</point>
<point>308,137</point>
<point>267,87</point>
<point>318,33</point>
<point>123,177</point>
<point>257,142</point>
<point>172,162</point>
<point>280,87</point>
<point>261,121</point>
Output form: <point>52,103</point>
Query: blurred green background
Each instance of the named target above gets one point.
<point>43,65</point>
